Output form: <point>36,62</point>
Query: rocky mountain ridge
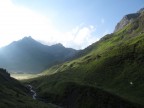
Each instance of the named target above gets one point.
<point>128,19</point>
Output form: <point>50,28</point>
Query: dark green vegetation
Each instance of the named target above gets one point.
<point>107,74</point>
<point>14,95</point>
<point>28,55</point>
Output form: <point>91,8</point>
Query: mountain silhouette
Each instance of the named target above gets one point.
<point>30,56</point>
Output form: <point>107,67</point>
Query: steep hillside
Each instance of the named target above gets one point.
<point>112,68</point>
<point>28,55</point>
<point>14,95</point>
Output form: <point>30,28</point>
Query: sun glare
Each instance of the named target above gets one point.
<point>17,22</point>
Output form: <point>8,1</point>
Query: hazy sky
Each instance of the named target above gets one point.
<point>74,23</point>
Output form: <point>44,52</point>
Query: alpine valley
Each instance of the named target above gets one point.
<point>107,74</point>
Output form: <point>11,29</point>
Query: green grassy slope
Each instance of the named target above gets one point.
<point>14,95</point>
<point>114,65</point>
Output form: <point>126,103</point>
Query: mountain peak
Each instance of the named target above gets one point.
<point>27,38</point>
<point>128,19</point>
<point>141,10</point>
<point>58,45</point>
<point>29,55</point>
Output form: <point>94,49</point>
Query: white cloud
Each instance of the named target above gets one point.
<point>83,37</point>
<point>17,22</point>
<point>78,38</point>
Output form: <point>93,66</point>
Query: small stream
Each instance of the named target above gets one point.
<point>34,94</point>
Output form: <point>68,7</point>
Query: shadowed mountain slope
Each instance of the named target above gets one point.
<point>30,56</point>
<point>15,95</point>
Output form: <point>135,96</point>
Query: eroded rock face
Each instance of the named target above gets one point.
<point>128,19</point>
<point>141,10</point>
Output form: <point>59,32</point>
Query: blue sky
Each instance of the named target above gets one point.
<point>74,23</point>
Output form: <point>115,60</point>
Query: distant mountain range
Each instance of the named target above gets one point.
<point>30,56</point>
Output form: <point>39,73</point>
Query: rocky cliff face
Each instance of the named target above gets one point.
<point>128,19</point>
<point>141,10</point>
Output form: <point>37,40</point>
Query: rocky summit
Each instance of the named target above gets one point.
<point>128,19</point>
